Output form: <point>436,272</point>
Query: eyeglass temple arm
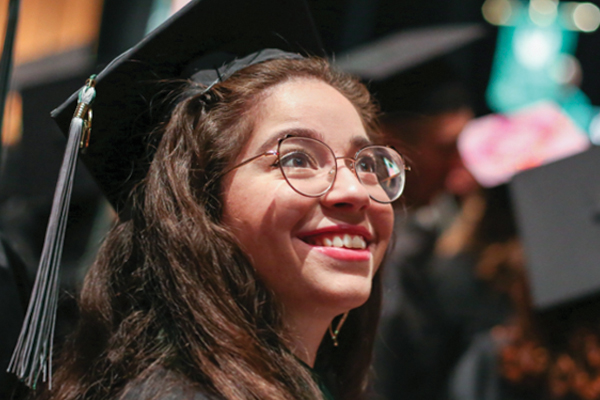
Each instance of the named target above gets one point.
<point>249,160</point>
<point>389,178</point>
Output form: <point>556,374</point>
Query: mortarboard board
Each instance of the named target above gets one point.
<point>209,39</point>
<point>208,33</point>
<point>404,67</point>
<point>557,207</point>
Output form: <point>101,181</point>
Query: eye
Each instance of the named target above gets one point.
<point>366,164</point>
<point>298,159</point>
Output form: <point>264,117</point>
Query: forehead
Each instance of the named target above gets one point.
<point>307,107</point>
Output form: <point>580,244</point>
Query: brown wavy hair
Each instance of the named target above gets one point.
<point>172,290</point>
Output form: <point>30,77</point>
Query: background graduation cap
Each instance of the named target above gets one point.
<point>214,36</point>
<point>405,70</point>
<point>557,207</point>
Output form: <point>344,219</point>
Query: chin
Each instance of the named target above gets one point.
<point>347,294</point>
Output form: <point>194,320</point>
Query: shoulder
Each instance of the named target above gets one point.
<point>163,384</point>
<point>476,375</point>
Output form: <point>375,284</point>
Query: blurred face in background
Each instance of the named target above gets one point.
<point>430,144</point>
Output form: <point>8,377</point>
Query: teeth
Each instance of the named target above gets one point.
<point>347,241</point>
<point>358,243</point>
<point>338,242</point>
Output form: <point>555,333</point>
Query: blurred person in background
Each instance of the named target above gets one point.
<point>545,262</point>
<point>422,330</point>
<point>475,279</point>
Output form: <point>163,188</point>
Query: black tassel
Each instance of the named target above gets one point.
<point>32,357</point>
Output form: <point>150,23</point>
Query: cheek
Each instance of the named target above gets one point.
<point>263,216</point>
<point>265,223</point>
<point>382,218</point>
<point>243,209</point>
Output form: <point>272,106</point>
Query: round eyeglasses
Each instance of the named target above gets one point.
<point>310,166</point>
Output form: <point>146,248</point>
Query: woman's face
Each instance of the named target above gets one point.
<point>286,235</point>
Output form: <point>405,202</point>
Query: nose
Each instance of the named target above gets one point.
<point>347,192</point>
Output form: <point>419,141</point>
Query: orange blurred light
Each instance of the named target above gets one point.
<point>12,123</point>
<point>49,27</point>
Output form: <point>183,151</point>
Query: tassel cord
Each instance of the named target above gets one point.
<point>33,353</point>
<point>32,356</point>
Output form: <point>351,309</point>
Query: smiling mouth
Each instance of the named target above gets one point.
<point>347,241</point>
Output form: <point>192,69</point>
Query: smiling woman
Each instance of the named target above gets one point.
<point>245,262</point>
<point>236,285</point>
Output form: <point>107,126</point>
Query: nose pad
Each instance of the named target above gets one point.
<point>350,164</point>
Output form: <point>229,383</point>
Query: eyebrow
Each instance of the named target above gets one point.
<point>357,142</point>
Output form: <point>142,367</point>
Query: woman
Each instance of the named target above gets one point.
<point>253,216</point>
<point>233,264</point>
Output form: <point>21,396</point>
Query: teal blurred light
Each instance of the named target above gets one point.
<point>529,66</point>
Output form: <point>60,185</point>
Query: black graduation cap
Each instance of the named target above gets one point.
<point>207,39</point>
<point>207,34</point>
<point>405,68</point>
<point>557,207</point>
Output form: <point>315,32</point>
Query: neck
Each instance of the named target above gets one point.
<point>307,335</point>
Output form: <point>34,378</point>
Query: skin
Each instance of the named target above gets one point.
<point>275,225</point>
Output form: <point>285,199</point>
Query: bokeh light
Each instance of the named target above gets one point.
<point>567,70</point>
<point>535,49</point>
<point>497,12</point>
<point>543,12</point>
<point>586,17</point>
<point>595,130</point>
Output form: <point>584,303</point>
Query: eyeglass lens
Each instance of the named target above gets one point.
<point>310,166</point>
